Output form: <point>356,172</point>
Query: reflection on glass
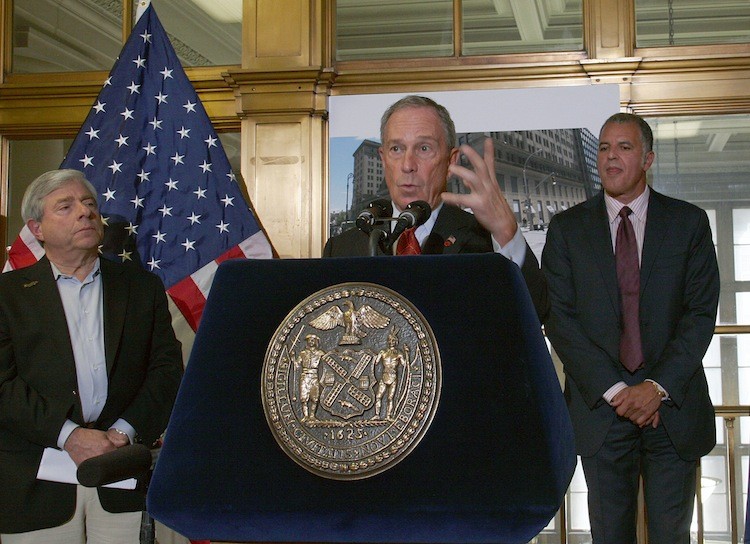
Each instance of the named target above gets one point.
<point>715,495</point>
<point>743,308</point>
<point>744,462</point>
<point>203,32</point>
<point>687,22</point>
<point>743,371</point>
<point>230,141</point>
<point>712,367</point>
<point>712,223</point>
<point>741,234</point>
<point>492,27</point>
<point>62,36</point>
<point>705,160</point>
<point>374,29</point>
<point>579,508</point>
<point>719,489</point>
<point>27,160</point>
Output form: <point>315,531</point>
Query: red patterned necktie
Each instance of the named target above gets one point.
<point>408,243</point>
<point>628,279</point>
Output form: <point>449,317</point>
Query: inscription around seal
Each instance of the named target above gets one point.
<point>351,381</point>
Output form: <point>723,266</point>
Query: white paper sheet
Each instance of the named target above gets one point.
<point>57,466</point>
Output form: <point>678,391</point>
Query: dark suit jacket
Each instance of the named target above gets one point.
<point>455,231</point>
<point>679,296</point>
<point>39,389</point>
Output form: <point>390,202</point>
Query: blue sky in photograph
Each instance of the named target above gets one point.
<point>341,165</point>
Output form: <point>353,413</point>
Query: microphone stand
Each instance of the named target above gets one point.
<point>377,237</point>
<point>414,215</point>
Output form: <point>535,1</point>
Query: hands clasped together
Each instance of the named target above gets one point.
<point>639,403</point>
<point>85,443</point>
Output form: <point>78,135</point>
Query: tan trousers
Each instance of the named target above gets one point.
<point>90,524</point>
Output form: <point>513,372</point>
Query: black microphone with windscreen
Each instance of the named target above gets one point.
<point>132,461</point>
<point>414,215</point>
<point>378,210</point>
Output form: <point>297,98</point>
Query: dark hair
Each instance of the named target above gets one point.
<point>647,137</point>
<point>415,101</point>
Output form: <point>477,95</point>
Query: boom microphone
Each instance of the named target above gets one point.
<point>132,461</point>
<point>376,210</point>
<point>414,215</point>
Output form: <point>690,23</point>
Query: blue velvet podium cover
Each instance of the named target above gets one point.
<point>493,466</point>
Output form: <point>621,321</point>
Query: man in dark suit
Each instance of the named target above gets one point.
<point>88,363</point>
<point>419,153</point>
<point>656,419</point>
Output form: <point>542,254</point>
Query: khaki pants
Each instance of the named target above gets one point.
<point>90,524</point>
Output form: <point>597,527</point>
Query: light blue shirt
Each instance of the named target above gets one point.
<point>83,303</point>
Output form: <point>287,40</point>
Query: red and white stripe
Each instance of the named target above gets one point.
<point>25,251</point>
<point>190,294</point>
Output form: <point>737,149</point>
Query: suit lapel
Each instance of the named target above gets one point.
<point>115,290</point>
<point>596,229</point>
<point>40,289</point>
<point>657,224</point>
<point>452,230</point>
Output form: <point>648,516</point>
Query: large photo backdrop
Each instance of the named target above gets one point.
<point>545,147</point>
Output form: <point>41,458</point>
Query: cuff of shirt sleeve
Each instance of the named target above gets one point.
<point>67,428</point>
<point>515,249</point>
<point>662,392</point>
<point>125,427</point>
<point>611,393</point>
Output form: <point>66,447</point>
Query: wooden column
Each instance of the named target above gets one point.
<point>609,39</point>
<point>281,95</point>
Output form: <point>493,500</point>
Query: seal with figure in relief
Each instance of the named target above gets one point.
<point>351,381</point>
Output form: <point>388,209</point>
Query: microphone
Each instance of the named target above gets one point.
<point>414,215</point>
<point>377,209</point>
<point>132,461</point>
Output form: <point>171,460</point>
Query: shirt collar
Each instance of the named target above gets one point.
<point>93,274</point>
<point>639,205</point>
<point>426,228</point>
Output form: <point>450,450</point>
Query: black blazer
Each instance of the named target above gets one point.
<point>455,231</point>
<point>39,389</point>
<point>679,297</point>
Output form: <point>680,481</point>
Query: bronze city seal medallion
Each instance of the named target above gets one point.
<point>351,381</point>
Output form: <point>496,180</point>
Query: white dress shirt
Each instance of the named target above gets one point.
<point>515,249</point>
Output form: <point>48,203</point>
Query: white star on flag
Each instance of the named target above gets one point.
<point>149,140</point>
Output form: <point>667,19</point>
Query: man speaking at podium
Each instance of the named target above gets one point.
<point>419,153</point>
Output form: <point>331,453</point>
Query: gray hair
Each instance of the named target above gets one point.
<point>647,136</point>
<point>415,101</point>
<point>32,206</point>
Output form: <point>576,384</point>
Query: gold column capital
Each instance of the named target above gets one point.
<point>295,91</point>
<point>609,28</point>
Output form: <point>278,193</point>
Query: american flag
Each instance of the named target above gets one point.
<point>163,178</point>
